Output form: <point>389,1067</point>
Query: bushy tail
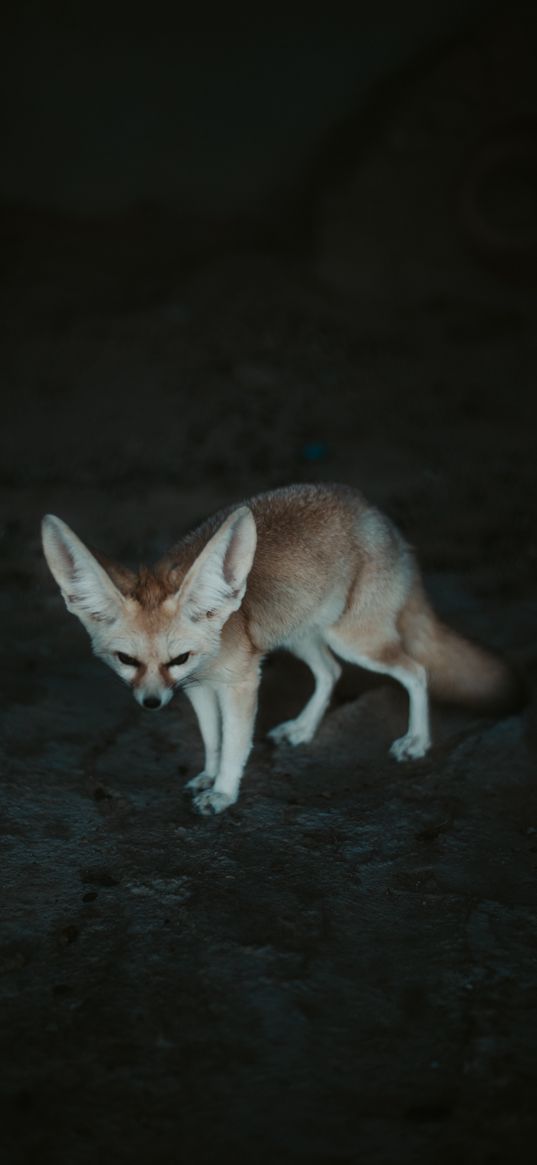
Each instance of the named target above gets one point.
<point>460,672</point>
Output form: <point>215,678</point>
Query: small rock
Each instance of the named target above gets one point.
<point>69,934</point>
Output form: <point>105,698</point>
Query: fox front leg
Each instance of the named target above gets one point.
<point>205,705</point>
<point>237,704</point>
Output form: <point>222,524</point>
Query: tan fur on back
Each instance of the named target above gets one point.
<point>306,541</point>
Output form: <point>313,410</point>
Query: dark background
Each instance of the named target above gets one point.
<point>243,246</point>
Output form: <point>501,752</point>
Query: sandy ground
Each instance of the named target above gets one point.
<point>342,967</point>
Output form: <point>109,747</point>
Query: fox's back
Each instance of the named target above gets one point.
<point>312,544</point>
<point>307,552</point>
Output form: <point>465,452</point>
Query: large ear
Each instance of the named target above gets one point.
<point>216,581</point>
<point>87,589</point>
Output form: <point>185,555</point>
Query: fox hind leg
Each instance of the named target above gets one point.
<point>390,659</point>
<point>326,671</point>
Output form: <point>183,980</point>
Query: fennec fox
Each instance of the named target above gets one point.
<point>313,569</point>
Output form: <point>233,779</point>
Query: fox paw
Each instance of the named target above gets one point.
<point>290,732</point>
<point>202,781</point>
<point>409,747</point>
<point>210,802</point>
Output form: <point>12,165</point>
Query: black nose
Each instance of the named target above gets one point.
<point>151,702</point>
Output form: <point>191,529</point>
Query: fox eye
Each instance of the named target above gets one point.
<point>179,659</point>
<point>128,660</point>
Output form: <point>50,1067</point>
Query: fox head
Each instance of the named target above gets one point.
<point>157,646</point>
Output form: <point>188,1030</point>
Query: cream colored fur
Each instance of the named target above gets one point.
<point>313,569</point>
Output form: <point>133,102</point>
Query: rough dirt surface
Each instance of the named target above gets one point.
<point>342,968</point>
